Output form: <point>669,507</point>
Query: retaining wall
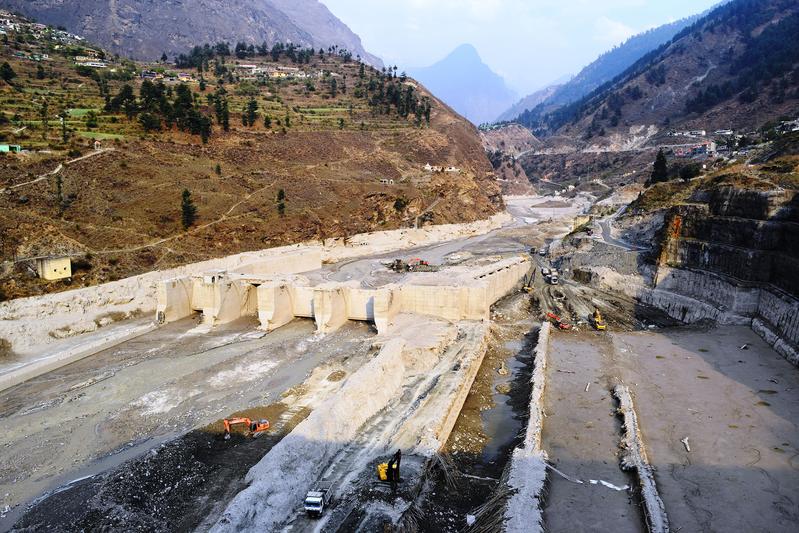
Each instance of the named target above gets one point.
<point>528,463</point>
<point>693,295</point>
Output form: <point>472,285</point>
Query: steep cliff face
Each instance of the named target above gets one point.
<point>730,253</point>
<point>749,235</point>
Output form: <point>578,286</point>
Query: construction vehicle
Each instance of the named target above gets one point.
<point>599,323</point>
<point>390,471</point>
<point>553,278</point>
<point>527,284</point>
<point>414,265</point>
<point>558,322</point>
<point>254,427</point>
<point>317,499</point>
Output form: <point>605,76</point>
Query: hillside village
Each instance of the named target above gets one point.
<point>87,115</point>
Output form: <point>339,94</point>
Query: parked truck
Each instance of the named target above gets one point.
<point>317,499</point>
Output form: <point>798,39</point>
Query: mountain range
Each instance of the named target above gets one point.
<point>735,68</point>
<point>145,29</point>
<point>603,69</point>
<point>467,84</point>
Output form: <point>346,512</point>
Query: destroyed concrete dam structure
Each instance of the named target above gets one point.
<point>254,289</point>
<point>513,407</point>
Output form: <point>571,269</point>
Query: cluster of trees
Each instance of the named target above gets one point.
<point>661,172</point>
<point>6,72</point>
<point>159,106</point>
<point>201,57</point>
<point>291,51</point>
<point>388,93</point>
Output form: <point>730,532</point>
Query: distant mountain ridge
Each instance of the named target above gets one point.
<point>736,68</point>
<point>531,101</point>
<point>467,85</point>
<point>606,67</point>
<point>144,29</point>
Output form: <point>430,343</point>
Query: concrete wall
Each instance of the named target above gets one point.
<point>330,306</point>
<point>31,324</point>
<point>387,305</point>
<point>527,473</point>
<point>275,307</point>
<point>174,299</point>
<point>694,295</point>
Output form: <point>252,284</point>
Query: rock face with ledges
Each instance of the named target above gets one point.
<point>747,234</point>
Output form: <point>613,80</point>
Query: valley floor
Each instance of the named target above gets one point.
<point>132,438</point>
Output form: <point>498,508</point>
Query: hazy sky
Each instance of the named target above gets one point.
<point>529,42</point>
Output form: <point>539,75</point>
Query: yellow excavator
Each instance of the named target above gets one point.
<point>599,322</point>
<point>390,471</point>
<point>527,284</point>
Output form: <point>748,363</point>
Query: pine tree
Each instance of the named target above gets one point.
<point>281,202</point>
<point>6,72</point>
<point>188,209</point>
<point>45,122</point>
<point>660,170</point>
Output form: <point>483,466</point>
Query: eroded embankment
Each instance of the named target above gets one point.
<point>527,472</point>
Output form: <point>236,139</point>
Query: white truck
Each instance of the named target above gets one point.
<point>317,499</point>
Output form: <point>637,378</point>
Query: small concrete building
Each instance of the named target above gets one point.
<point>54,268</point>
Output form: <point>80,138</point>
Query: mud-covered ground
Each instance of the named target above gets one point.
<point>718,412</point>
<point>171,488</point>
<point>490,426</point>
<point>89,417</point>
<point>101,439</point>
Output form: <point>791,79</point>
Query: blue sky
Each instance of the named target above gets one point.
<point>529,42</point>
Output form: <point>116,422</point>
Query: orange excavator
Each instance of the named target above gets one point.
<point>254,427</point>
<point>558,322</point>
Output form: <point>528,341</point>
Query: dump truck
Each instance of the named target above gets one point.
<point>554,279</point>
<point>317,499</point>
